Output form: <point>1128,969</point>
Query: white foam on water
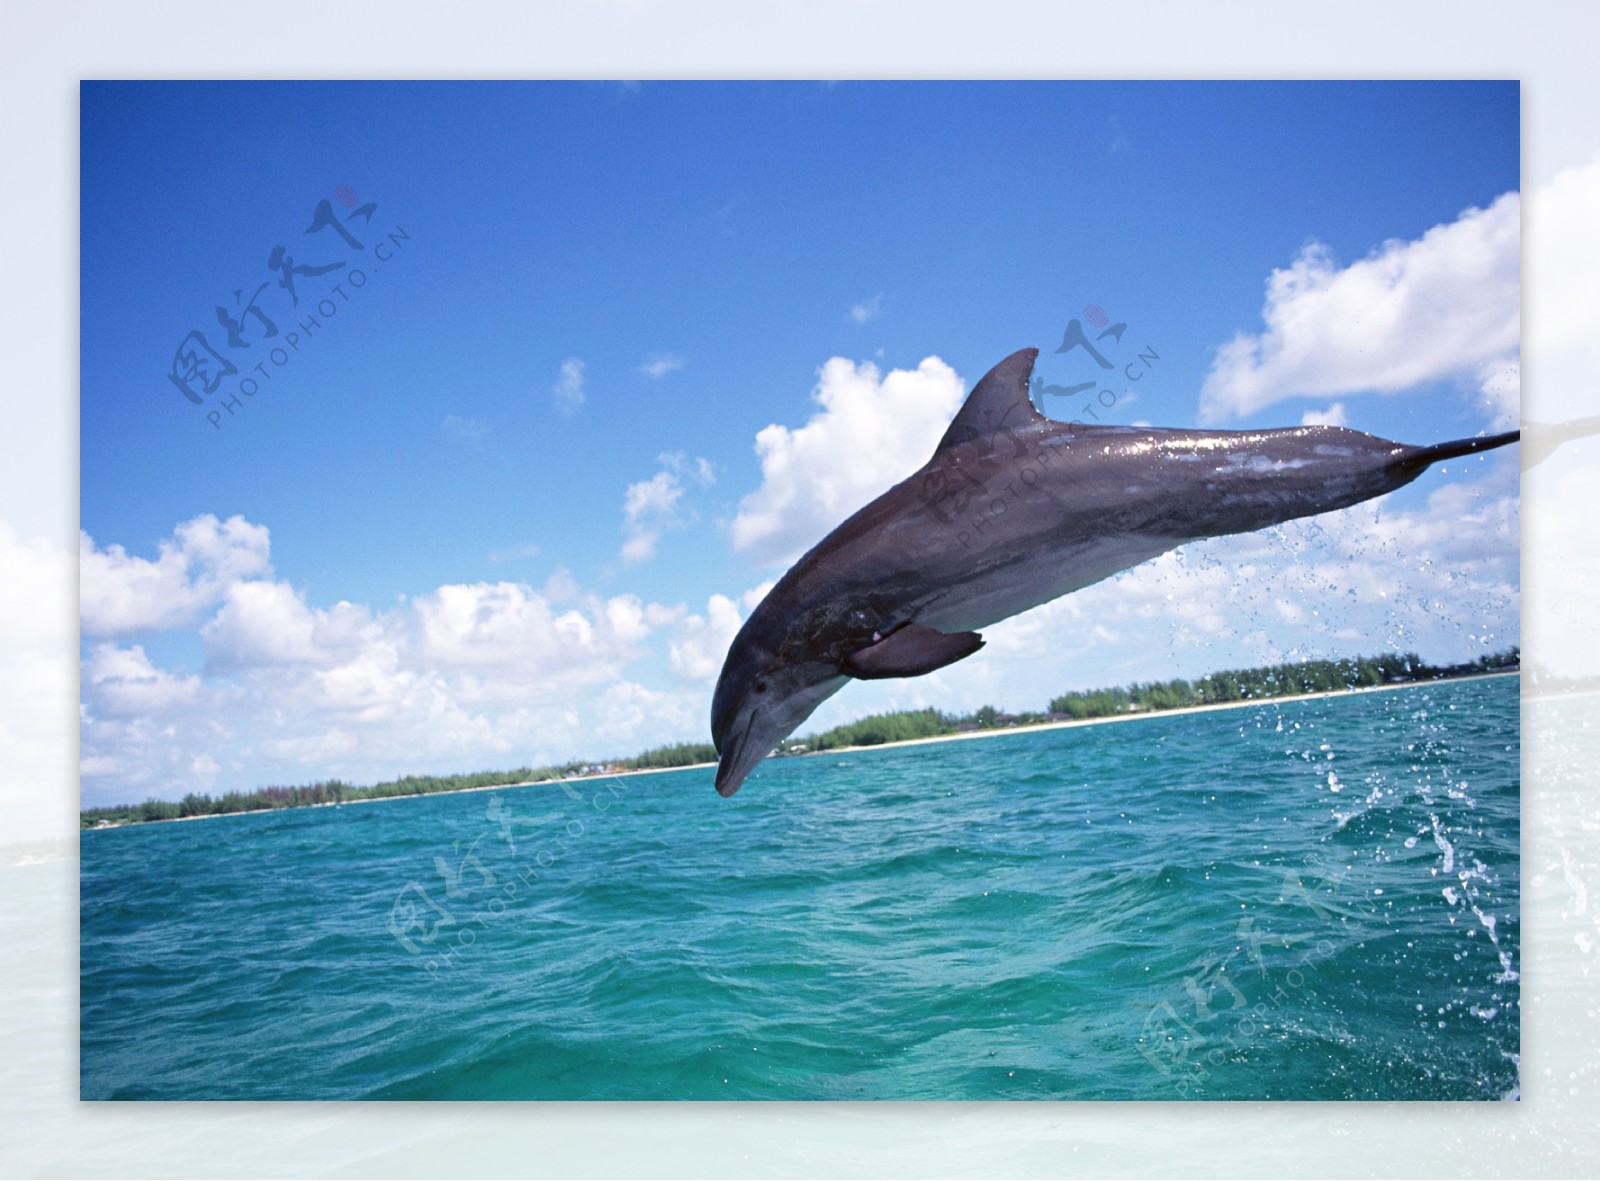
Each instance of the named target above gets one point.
<point>1445,846</point>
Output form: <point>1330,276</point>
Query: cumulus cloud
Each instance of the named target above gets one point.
<point>268,623</point>
<point>651,507</point>
<point>1500,393</point>
<point>1333,416</point>
<point>468,675</point>
<point>125,684</point>
<point>640,547</point>
<point>661,364</point>
<point>1441,577</point>
<point>628,709</point>
<point>870,432</point>
<point>867,309</point>
<point>503,628</point>
<point>700,643</point>
<point>1443,307</point>
<point>568,392</point>
<point>646,509</point>
<point>122,594</point>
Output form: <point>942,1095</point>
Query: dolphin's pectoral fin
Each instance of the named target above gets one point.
<point>910,651</point>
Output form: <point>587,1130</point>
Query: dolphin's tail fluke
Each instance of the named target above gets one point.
<point>1424,457</point>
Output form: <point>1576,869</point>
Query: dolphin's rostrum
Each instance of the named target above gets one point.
<point>1014,510</point>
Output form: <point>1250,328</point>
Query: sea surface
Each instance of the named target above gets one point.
<point>1288,900</point>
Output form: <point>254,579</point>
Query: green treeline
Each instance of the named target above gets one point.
<point>1242,684</point>
<point>1248,684</point>
<point>880,728</point>
<point>682,754</point>
<point>331,792</point>
<point>1281,680</point>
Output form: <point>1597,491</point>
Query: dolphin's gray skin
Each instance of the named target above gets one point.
<point>1014,510</point>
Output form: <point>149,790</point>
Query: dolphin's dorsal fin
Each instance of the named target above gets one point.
<point>999,402</point>
<point>910,651</point>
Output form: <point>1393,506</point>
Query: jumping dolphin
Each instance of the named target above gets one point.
<point>1013,510</point>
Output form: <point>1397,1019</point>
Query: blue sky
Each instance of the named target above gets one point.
<point>688,258</point>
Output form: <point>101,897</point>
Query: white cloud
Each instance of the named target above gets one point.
<point>268,623</point>
<point>703,471</point>
<point>1333,416</point>
<point>467,676</point>
<point>661,364</point>
<point>506,627</point>
<point>650,507</point>
<point>568,392</point>
<point>1441,307</point>
<point>867,309</point>
<point>1500,390</point>
<point>657,496</point>
<point>467,431</point>
<point>870,433</point>
<point>124,684</point>
<point>627,710</point>
<point>121,594</point>
<point>639,547</point>
<point>700,642</point>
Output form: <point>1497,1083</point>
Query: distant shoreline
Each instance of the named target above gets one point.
<point>1142,715</point>
<point>990,732</point>
<point>420,795</point>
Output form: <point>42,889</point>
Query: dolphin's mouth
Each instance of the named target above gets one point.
<point>735,762</point>
<point>776,716</point>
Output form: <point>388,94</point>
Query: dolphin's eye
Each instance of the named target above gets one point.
<point>761,686</point>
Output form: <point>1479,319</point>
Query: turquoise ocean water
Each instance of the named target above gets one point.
<point>1295,900</point>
